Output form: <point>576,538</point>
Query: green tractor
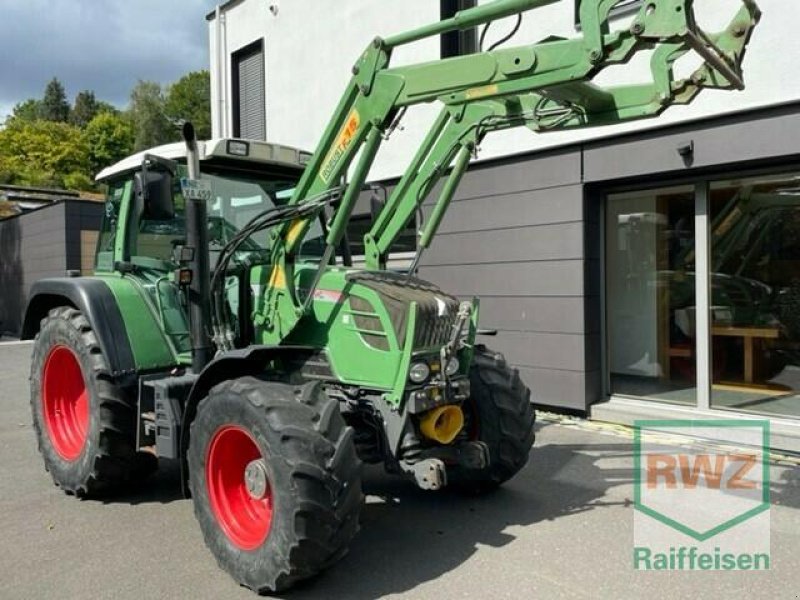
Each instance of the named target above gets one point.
<point>226,327</point>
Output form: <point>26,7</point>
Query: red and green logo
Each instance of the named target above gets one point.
<point>701,494</point>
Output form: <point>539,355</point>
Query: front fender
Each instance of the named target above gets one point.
<point>252,360</point>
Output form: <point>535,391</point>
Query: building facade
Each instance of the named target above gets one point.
<point>646,269</point>
<point>46,242</point>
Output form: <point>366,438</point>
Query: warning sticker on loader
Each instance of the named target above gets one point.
<point>343,142</point>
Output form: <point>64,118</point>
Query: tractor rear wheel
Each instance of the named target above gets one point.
<point>85,425</point>
<point>499,414</point>
<point>275,480</point>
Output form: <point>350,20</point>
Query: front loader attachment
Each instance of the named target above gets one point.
<point>547,86</point>
<point>550,86</point>
<point>669,26</point>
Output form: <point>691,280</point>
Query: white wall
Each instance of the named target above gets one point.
<point>310,46</point>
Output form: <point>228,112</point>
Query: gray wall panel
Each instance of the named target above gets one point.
<point>515,237</point>
<point>80,216</point>
<point>738,138</point>
<point>32,246</point>
<point>564,389</point>
<point>528,313</point>
<point>547,278</point>
<point>517,174</point>
<point>11,274</point>
<point>537,207</point>
<point>563,241</point>
<point>558,351</point>
<point>72,233</point>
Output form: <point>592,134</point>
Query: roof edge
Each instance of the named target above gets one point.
<point>222,7</point>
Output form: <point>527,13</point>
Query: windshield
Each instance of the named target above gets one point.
<point>236,199</point>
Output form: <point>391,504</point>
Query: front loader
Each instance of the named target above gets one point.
<point>226,327</point>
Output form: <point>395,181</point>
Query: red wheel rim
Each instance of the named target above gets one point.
<point>244,519</point>
<point>65,402</point>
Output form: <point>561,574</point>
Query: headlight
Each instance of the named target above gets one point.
<point>419,372</point>
<point>452,367</point>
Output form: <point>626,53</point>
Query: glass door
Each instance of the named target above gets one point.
<point>650,294</point>
<point>754,234</point>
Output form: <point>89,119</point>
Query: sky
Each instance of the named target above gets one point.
<point>100,45</point>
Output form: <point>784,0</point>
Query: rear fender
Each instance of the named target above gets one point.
<point>94,299</point>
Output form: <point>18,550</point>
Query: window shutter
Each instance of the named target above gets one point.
<point>251,118</point>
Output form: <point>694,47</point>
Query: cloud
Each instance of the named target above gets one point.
<point>102,45</point>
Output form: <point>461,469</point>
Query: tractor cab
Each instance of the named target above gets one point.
<point>144,225</point>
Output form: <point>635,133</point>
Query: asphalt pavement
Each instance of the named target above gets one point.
<point>563,528</point>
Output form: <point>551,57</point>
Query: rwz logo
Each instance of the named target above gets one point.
<point>686,470</point>
<point>699,491</point>
<point>701,495</point>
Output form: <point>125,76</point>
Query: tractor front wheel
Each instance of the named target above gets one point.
<point>499,414</point>
<point>275,480</point>
<point>84,423</point>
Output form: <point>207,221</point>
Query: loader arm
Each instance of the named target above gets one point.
<point>545,86</point>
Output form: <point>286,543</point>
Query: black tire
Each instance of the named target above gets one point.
<point>107,458</point>
<point>499,414</point>
<point>312,470</point>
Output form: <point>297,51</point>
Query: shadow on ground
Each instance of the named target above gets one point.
<point>409,536</point>
<point>163,487</point>
<point>785,487</point>
<point>412,537</point>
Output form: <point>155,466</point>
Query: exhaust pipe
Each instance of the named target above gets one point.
<point>442,424</point>
<point>197,239</point>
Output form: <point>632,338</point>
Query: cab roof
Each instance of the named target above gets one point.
<point>231,149</point>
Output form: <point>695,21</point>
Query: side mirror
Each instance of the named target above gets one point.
<point>153,193</point>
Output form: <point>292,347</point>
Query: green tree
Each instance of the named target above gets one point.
<point>84,109</point>
<point>189,99</point>
<point>78,180</point>
<point>42,153</point>
<point>109,137</point>
<point>27,110</point>
<point>151,126</point>
<point>103,106</point>
<point>54,104</point>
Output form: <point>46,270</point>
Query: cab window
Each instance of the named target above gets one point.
<point>108,228</point>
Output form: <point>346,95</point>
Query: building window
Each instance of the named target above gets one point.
<point>625,7</point>
<point>703,294</point>
<point>754,235</point>
<point>249,100</point>
<point>650,245</point>
<point>458,43</point>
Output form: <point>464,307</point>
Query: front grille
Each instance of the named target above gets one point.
<point>436,310</point>
<point>432,329</point>
<point>367,321</point>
